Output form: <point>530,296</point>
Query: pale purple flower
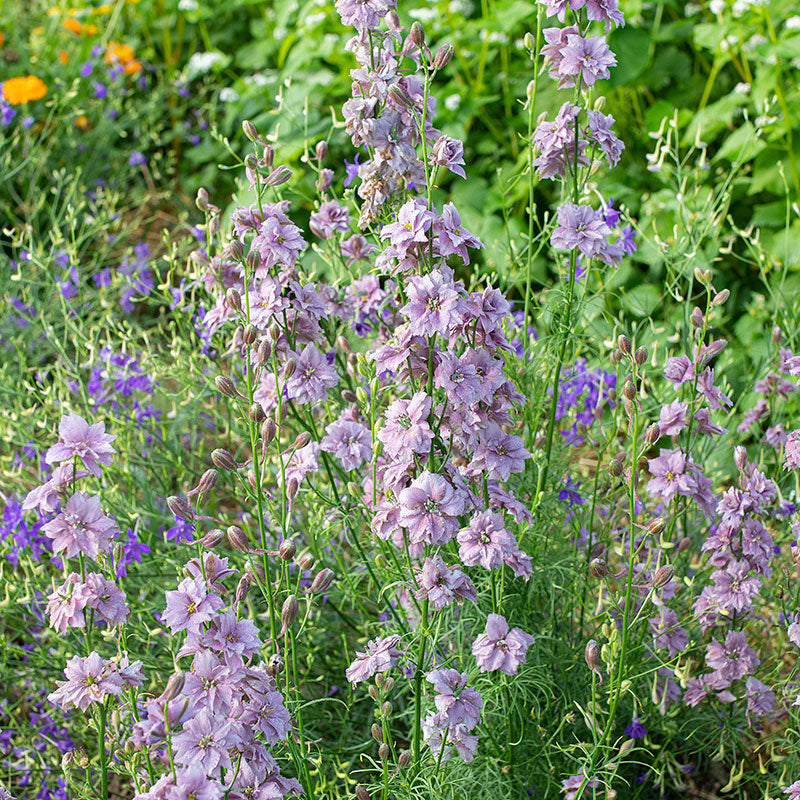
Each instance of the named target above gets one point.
<point>667,633</point>
<point>429,509</point>
<point>678,370</point>
<point>706,387</point>
<point>556,142</point>
<point>225,634</point>
<point>498,453</point>
<point>590,58</point>
<point>279,240</point>
<point>672,418</point>
<point>760,698</point>
<point>66,604</point>
<point>81,528</point>
<point>190,605</point>
<point>414,220</point>
<point>89,680</point>
<point>459,379</point>
<point>191,783</point>
<point>90,443</point>
<point>349,441</point>
<point>312,378</point>
<point>380,656</point>
<point>793,791</point>
<point>433,303</point>
<point>331,218</point>
<point>792,450</point>
<point>735,587</point>
<point>406,428</point>
<point>669,475</point>
<point>501,648</point>
<point>448,153</point>
<point>579,227</point>
<point>106,598</point>
<point>732,660</point>
<point>205,741</point>
<point>47,496</point>
<point>440,585</point>
<point>459,704</point>
<point>486,541</point>
<point>434,728</point>
<point>601,134</point>
<point>454,239</point>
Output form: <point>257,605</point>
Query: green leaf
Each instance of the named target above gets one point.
<point>642,300</point>
<point>632,49</point>
<point>742,145</point>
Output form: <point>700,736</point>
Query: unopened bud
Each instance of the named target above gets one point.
<point>321,150</point>
<point>242,588</point>
<point>292,488</point>
<point>289,369</point>
<point>384,751</point>
<point>233,299</point>
<point>777,335</point>
<point>180,508</point>
<point>268,431</point>
<point>615,358</point>
<point>663,575</point>
<point>374,691</point>
<point>253,261</point>
<point>325,180</point>
<point>287,549</point>
<point>238,539</point>
<point>306,560</point>
<point>222,459</point>
<point>174,687</point>
<point>289,612</point>
<point>361,792</point>
<point>392,21</point>
<point>629,389</point>
<point>343,344</point>
<point>640,356</point>
<point>653,433</point>
<point>377,732</point>
<point>444,55</point>
<point>278,176</point>
<point>529,40</point>
<point>263,352</point>
<point>615,468</point>
<point>275,665</point>
<point>268,155</point>
<point>388,683</point>
<point>592,656</point>
<point>697,318</point>
<point>208,481</point>
<point>400,96</point>
<point>303,438</point>
<point>225,386</point>
<point>656,526</point>
<point>212,539</point>
<point>404,759</point>
<point>201,201</point>
<point>251,479</point>
<point>235,250</point>
<point>417,33</point>
<point>348,396</point>
<point>256,413</point>
<point>386,709</point>
<point>250,131</point>
<point>684,544</point>
<point>597,566</point>
<point>624,344</point>
<point>249,334</point>
<point>322,581</point>
<point>721,298</point>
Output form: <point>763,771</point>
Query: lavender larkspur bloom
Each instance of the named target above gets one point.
<point>349,441</point>
<point>486,541</point>
<point>90,443</point>
<point>429,509</point>
<point>312,378</point>
<point>501,648</point>
<point>579,227</point>
<point>81,528</point>
<point>498,453</point>
<point>380,656</point>
<point>449,153</point>
<point>732,660</point>
<point>454,699</point>
<point>433,303</point>
<point>601,134</point>
<point>440,585</point>
<point>190,605</point>
<point>330,219</point>
<point>792,450</point>
<point>89,680</point>
<point>414,220</point>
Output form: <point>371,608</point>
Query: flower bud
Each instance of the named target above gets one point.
<point>388,683</point>
<point>255,572</point>
<point>740,457</point>
<point>721,298</point>
<point>208,480</point>
<point>529,40</point>
<point>656,526</point>
<point>275,665</point>
<point>615,468</point>
<point>256,413</point>
<point>238,539</point>
<point>377,732</point>
<point>268,155</point>
<point>444,55</point>
<point>653,433</point>
<point>212,539</point>
<point>250,131</point>
<point>597,566</point>
<point>629,389</point>
<point>287,549</point>
<point>361,792</point>
<point>343,345</point>
<point>663,575</point>
<point>201,201</point>
<point>640,356</point>
<point>278,176</point>
<point>777,335</point>
<point>233,300</point>
<point>325,180</point>
<point>235,250</point>
<point>174,687</point>
<point>624,344</point>
<point>348,396</point>
<point>303,438</point>
<point>292,488</point>
<point>322,581</point>
<point>222,459</point>
<point>592,656</point>
<point>615,358</point>
<point>404,759</point>
<point>306,561</point>
<point>251,479</point>
<point>289,369</point>
<point>180,508</point>
<point>684,544</point>
<point>386,709</point>
<point>400,96</point>
<point>289,612</point>
<point>225,386</point>
<point>253,261</point>
<point>697,318</point>
<point>263,352</point>
<point>250,334</point>
<point>384,751</point>
<point>321,150</point>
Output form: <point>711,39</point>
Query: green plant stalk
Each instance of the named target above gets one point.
<point>418,686</point>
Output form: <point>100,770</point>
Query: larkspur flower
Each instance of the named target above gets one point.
<point>90,443</point>
<point>501,648</point>
<point>440,585</point>
<point>380,656</point>
<point>89,680</point>
<point>433,303</point>
<point>81,528</point>
<point>349,441</point>
<point>312,378</point>
<point>579,227</point>
<point>429,509</point>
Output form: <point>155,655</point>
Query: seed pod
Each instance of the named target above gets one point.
<point>212,539</point>
<point>624,344</point>
<point>321,150</point>
<point>289,369</point>
<point>238,539</point>
<point>322,581</point>
<point>225,386</point>
<point>289,612</point>
<point>444,55</point>
<point>653,433</point>
<point>253,261</point>
<point>180,508</point>
<point>663,575</point>
<point>222,459</point>
<point>384,751</point>
<point>256,413</point>
<point>640,356</point>
<point>592,656</point>
<point>377,732</point>
<point>287,549</point>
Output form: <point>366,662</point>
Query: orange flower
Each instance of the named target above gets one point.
<point>18,91</point>
<point>122,54</point>
<point>2,38</point>
<point>63,56</point>
<point>89,30</point>
<point>71,24</point>
<point>82,123</point>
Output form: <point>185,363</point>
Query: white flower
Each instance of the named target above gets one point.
<point>200,63</point>
<point>228,95</point>
<point>690,9</point>
<point>187,5</point>
<point>423,14</point>
<point>717,6</point>
<point>742,88</point>
<point>792,24</point>
<point>452,102</point>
